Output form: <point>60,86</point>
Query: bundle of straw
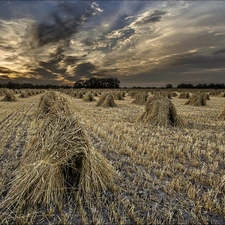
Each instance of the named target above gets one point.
<point>118,95</point>
<point>106,100</point>
<point>197,99</point>
<point>140,98</point>
<point>184,95</point>
<point>59,162</point>
<point>160,111</point>
<point>222,115</point>
<point>9,97</point>
<point>89,98</point>
<point>23,94</point>
<point>50,102</point>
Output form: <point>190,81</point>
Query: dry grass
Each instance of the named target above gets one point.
<point>168,175</point>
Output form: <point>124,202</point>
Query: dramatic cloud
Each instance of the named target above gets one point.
<point>148,43</point>
<point>84,70</point>
<point>219,51</point>
<point>155,16</point>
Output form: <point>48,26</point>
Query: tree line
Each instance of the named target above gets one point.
<point>11,85</point>
<point>90,83</point>
<point>103,83</point>
<point>94,82</point>
<point>202,86</point>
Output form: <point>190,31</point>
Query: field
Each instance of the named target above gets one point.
<point>164,175</point>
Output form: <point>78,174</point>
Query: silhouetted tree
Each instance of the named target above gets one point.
<point>169,86</point>
<point>94,82</point>
<point>79,84</point>
<point>185,86</point>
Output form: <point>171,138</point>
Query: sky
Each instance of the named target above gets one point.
<point>142,43</point>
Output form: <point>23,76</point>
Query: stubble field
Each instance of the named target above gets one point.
<point>164,175</point>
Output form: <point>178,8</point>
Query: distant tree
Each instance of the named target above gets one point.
<point>65,86</point>
<point>219,86</point>
<point>201,86</point>
<point>94,82</point>
<point>185,86</point>
<point>79,84</point>
<point>211,85</point>
<point>12,85</point>
<point>27,85</point>
<point>169,86</point>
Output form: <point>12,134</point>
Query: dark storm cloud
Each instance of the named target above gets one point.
<point>6,47</point>
<point>56,58</point>
<point>43,72</point>
<point>136,41</point>
<point>64,23</point>
<point>5,70</point>
<point>198,61</point>
<point>156,16</point>
<point>92,71</point>
<point>84,70</point>
<point>52,67</point>
<point>81,71</point>
<point>70,60</point>
<point>61,27</point>
<point>4,77</point>
<point>219,51</point>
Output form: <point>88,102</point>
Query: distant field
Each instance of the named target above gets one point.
<point>166,175</point>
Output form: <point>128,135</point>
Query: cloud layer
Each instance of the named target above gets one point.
<point>142,43</point>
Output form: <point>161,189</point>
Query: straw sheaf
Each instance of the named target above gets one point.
<point>9,97</point>
<point>197,99</point>
<point>184,95</point>
<point>160,111</point>
<point>23,94</point>
<point>106,100</point>
<point>222,115</point>
<point>59,162</point>
<point>140,98</point>
<point>89,98</point>
<point>1,93</point>
<point>118,95</point>
<point>50,103</point>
